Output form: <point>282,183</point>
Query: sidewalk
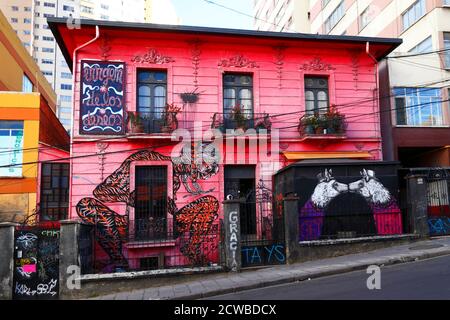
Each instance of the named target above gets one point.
<point>251,279</point>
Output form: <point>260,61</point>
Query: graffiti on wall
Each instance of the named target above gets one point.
<point>439,226</point>
<point>102,97</point>
<point>333,209</point>
<point>36,263</point>
<point>195,219</point>
<point>263,255</point>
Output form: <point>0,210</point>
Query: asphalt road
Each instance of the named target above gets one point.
<point>426,279</point>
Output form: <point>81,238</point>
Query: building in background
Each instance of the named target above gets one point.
<point>414,79</point>
<point>28,19</point>
<point>30,136</point>
<point>161,12</point>
<point>281,15</point>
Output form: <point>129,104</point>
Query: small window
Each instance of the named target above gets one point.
<point>316,95</point>
<point>27,85</point>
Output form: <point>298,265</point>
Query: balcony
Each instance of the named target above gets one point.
<point>329,126</point>
<point>152,124</point>
<point>257,121</point>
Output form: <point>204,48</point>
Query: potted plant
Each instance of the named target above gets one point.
<point>336,121</point>
<point>265,123</point>
<point>135,124</point>
<point>169,118</point>
<point>217,122</point>
<point>308,124</point>
<point>239,118</point>
<point>189,96</point>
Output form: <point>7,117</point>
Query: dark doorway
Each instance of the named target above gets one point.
<point>240,184</point>
<point>151,203</point>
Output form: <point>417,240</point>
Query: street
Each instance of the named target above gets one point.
<point>426,279</point>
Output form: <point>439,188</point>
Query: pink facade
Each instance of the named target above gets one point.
<point>103,167</point>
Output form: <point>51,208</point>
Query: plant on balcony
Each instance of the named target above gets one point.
<point>264,123</point>
<point>134,122</point>
<point>335,121</point>
<point>238,117</point>
<point>217,122</point>
<point>169,118</point>
<point>308,124</point>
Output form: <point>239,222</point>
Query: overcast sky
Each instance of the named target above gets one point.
<point>201,13</point>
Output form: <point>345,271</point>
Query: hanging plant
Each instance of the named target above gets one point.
<point>190,96</point>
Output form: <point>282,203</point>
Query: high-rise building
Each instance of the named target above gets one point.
<point>160,11</point>
<point>29,19</point>
<point>414,79</point>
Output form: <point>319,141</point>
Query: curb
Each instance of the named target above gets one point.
<point>318,274</point>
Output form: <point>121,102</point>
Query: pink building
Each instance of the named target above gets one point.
<point>151,209</point>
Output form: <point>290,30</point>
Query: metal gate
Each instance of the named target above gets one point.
<point>262,228</point>
<point>36,261</point>
<point>438,187</point>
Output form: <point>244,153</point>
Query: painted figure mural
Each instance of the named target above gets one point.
<point>333,208</point>
<point>192,222</point>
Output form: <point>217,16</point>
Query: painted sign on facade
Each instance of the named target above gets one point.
<point>102,97</point>
<point>11,144</point>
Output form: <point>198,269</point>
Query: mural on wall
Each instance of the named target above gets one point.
<point>334,211</point>
<point>102,97</point>
<point>195,219</point>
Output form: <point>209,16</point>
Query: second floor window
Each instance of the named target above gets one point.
<point>152,97</point>
<point>418,106</point>
<point>414,13</point>
<point>316,95</point>
<point>237,93</point>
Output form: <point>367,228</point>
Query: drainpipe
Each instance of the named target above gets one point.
<point>377,79</point>
<point>74,66</point>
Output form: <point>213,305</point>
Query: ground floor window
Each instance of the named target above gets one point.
<point>54,203</point>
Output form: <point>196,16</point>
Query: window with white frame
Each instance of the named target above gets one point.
<point>27,85</point>
<point>423,47</point>
<point>447,49</point>
<point>418,106</point>
<point>334,17</point>
<point>413,13</point>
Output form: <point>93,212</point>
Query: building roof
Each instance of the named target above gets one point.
<point>60,25</point>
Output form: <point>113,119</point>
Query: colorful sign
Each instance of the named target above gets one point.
<point>102,97</point>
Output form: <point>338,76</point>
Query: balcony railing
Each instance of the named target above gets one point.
<point>326,125</point>
<point>149,123</point>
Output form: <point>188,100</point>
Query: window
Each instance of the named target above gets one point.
<point>414,13</point>
<point>364,18</point>
<point>68,8</point>
<point>152,97</point>
<point>418,106</point>
<point>49,4</point>
<point>27,20</point>
<point>36,37</point>
<point>66,86</point>
<point>46,61</point>
<point>85,9</point>
<point>47,73</point>
<point>27,9</point>
<point>47,38</point>
<point>334,17</point>
<point>316,95</point>
<point>27,85</point>
<point>26,32</point>
<point>104,6</point>
<point>37,14</point>
<point>237,91</point>
<point>103,17</point>
<point>14,20</point>
<point>66,75</point>
<point>15,8</point>
<point>65,98</point>
<point>45,26</point>
<point>54,203</point>
<point>50,50</point>
<point>447,48</point>
<point>36,26</point>
<point>446,2</point>
<point>11,144</point>
<point>425,46</point>
<point>48,15</point>
<point>151,203</point>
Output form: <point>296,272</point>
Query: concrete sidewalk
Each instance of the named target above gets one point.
<point>251,279</point>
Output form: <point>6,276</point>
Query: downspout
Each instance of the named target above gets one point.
<point>377,80</point>
<point>74,66</point>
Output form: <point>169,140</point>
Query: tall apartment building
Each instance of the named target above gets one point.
<point>160,11</point>
<point>281,15</point>
<point>414,79</point>
<point>29,19</point>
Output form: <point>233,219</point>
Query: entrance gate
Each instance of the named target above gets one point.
<point>438,187</point>
<point>36,261</point>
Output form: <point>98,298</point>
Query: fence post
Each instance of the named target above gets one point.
<point>6,260</point>
<point>417,204</point>
<point>68,255</point>
<point>290,207</point>
<point>232,235</point>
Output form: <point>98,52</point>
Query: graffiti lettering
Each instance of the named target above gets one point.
<point>233,220</point>
<point>50,233</point>
<point>439,226</point>
<point>27,240</point>
<point>263,255</point>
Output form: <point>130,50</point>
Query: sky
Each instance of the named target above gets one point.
<point>202,13</point>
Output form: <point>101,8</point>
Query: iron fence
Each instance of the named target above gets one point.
<point>438,198</point>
